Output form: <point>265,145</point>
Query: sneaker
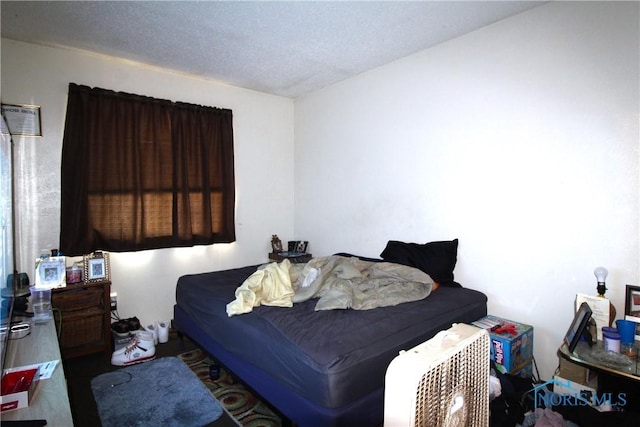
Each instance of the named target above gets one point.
<point>163,332</point>
<point>120,328</point>
<point>140,349</point>
<point>134,323</point>
<point>153,328</point>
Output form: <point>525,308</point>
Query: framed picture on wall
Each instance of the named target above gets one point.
<point>632,302</point>
<point>22,119</point>
<point>96,267</point>
<point>632,306</point>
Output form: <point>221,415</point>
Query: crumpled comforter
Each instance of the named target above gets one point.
<point>338,283</point>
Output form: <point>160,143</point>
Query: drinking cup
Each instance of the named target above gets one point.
<point>41,304</point>
<point>627,331</point>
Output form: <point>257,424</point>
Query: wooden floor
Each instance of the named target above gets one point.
<point>80,371</point>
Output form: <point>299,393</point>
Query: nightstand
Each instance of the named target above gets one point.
<point>83,318</point>
<point>294,257</point>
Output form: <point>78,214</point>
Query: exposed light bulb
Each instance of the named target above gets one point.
<point>601,274</point>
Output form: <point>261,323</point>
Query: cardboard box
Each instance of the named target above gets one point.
<point>578,374</point>
<point>511,342</point>
<point>18,388</point>
<point>525,371</point>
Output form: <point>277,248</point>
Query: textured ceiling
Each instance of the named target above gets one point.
<point>287,48</point>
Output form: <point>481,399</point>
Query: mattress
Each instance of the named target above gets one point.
<point>331,358</point>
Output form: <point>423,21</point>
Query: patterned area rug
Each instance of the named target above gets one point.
<point>236,399</point>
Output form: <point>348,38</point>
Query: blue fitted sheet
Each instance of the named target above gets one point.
<point>331,358</point>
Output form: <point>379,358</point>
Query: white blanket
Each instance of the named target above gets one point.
<point>269,285</point>
<point>338,282</point>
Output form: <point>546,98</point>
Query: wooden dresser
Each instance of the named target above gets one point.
<point>82,315</point>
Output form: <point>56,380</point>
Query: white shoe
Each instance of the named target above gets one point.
<point>163,332</point>
<point>153,328</point>
<point>140,349</point>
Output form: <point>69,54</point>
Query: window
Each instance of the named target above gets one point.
<point>142,173</point>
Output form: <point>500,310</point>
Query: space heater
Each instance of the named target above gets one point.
<point>443,382</point>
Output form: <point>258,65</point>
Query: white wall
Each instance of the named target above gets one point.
<point>145,281</point>
<point>520,139</point>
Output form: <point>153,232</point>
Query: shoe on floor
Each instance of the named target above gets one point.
<point>153,328</point>
<point>163,332</point>
<point>140,349</point>
<point>120,328</point>
<point>134,323</point>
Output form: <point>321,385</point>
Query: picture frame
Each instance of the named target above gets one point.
<point>302,247</point>
<point>22,119</point>
<point>276,244</point>
<point>298,246</point>
<point>96,267</point>
<point>51,273</point>
<point>578,326</point>
<point>632,306</point>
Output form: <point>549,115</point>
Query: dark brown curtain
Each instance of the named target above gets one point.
<point>142,173</point>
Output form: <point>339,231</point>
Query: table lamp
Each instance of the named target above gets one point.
<point>601,275</point>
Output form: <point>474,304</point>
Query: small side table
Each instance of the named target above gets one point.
<point>83,317</point>
<point>294,257</point>
<point>586,356</point>
<point>614,377</point>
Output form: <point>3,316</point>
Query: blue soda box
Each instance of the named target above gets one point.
<point>511,342</point>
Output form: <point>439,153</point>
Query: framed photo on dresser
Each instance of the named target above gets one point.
<point>51,273</point>
<point>96,267</point>
<point>578,326</point>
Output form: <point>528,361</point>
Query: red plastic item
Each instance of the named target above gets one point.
<point>508,328</point>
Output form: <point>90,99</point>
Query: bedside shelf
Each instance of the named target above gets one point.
<point>297,258</point>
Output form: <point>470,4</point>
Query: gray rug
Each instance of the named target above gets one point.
<point>162,392</point>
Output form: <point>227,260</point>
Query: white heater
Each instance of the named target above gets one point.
<point>443,382</point>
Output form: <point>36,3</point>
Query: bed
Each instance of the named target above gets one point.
<point>327,367</point>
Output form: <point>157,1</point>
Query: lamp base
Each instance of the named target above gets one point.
<point>612,314</point>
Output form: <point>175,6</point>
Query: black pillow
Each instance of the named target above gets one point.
<point>437,259</point>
